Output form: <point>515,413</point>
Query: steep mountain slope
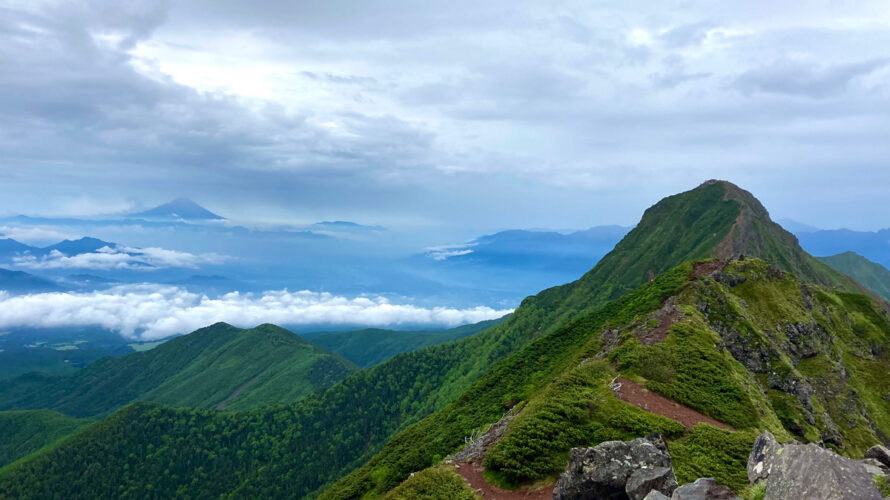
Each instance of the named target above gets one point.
<point>870,274</point>
<point>218,366</point>
<point>295,449</point>
<point>24,432</point>
<point>372,346</point>
<point>744,343</point>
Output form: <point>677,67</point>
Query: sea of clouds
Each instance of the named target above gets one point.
<point>119,257</point>
<point>151,312</point>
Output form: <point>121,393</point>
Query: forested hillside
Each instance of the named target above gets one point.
<point>372,346</point>
<point>219,367</point>
<point>24,432</point>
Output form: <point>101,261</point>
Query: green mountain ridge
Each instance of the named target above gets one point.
<point>372,346</point>
<point>219,366</point>
<point>870,274</point>
<point>816,379</point>
<point>295,450</point>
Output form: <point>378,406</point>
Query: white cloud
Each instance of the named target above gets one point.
<point>150,312</point>
<point>119,257</point>
<point>443,252</point>
<point>34,234</point>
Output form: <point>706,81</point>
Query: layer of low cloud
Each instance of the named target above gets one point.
<point>35,234</point>
<point>118,258</point>
<point>150,312</point>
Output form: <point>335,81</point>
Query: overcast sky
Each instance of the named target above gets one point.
<point>462,113</point>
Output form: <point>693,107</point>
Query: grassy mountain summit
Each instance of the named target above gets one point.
<point>717,219</point>
<point>409,411</point>
<point>219,366</point>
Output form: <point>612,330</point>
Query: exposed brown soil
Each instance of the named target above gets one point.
<point>472,472</point>
<point>637,395</point>
<point>701,269</point>
<point>666,317</point>
<point>222,405</point>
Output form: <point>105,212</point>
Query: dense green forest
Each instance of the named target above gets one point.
<point>24,432</point>
<point>372,346</point>
<point>219,366</point>
<point>430,399</point>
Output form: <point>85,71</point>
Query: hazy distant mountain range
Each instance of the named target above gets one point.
<point>184,245</point>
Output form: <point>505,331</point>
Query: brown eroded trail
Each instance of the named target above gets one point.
<point>637,395</point>
<point>472,472</point>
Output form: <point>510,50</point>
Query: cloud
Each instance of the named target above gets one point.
<point>805,78</point>
<point>120,257</point>
<point>469,114</point>
<point>686,34</point>
<point>38,233</point>
<point>443,252</point>
<point>150,312</point>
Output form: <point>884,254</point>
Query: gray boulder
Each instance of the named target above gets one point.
<point>760,460</point>
<point>879,453</point>
<point>644,480</point>
<point>604,471</point>
<point>875,468</point>
<point>656,495</point>
<point>800,471</point>
<point>704,488</point>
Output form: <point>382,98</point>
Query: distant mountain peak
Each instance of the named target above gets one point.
<point>179,209</point>
<point>79,246</point>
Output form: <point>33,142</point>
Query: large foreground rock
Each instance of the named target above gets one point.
<point>618,470</point>
<point>801,471</point>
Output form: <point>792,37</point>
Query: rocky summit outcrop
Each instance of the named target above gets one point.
<point>799,471</point>
<point>618,470</point>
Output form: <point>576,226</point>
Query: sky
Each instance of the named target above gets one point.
<point>459,114</point>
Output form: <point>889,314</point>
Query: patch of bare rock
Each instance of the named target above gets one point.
<point>796,470</point>
<point>642,470</point>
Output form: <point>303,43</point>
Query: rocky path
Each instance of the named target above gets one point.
<point>472,472</point>
<point>637,395</point>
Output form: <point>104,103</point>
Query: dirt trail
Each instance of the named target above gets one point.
<point>637,395</point>
<point>222,404</point>
<point>666,316</point>
<point>472,472</point>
